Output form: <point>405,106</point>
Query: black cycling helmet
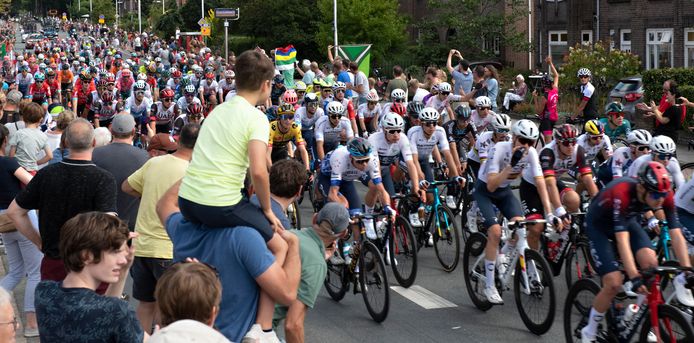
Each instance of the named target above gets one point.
<point>546,81</point>
<point>414,107</point>
<point>359,147</point>
<point>462,112</point>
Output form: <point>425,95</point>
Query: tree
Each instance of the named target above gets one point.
<point>468,26</point>
<point>99,7</point>
<point>363,22</point>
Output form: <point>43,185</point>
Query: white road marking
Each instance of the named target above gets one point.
<point>423,297</point>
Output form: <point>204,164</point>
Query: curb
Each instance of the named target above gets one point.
<point>19,335</point>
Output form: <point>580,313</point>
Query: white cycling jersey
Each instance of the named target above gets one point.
<point>482,124</point>
<point>482,145</point>
<point>673,167</point>
<point>308,122</point>
<point>423,146</point>
<point>183,103</point>
<point>324,130</point>
<point>136,110</point>
<point>389,153</point>
<point>209,88</point>
<point>592,151</point>
<point>440,105</point>
<point>364,113</point>
<point>500,156</point>
<point>621,161</point>
<point>339,165</point>
<point>684,198</point>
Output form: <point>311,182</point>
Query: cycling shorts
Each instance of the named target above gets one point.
<point>530,201</point>
<point>347,189</point>
<point>546,126</point>
<point>603,246</point>
<point>502,198</point>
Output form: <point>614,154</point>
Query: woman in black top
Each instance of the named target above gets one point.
<point>670,120</point>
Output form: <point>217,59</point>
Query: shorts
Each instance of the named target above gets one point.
<point>279,153</point>
<point>687,221</point>
<point>502,198</point>
<point>242,213</point>
<point>530,201</point>
<point>603,247</point>
<point>546,126</point>
<point>145,272</point>
<point>347,189</point>
<point>426,169</point>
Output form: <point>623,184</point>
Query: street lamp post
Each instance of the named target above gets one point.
<point>139,16</point>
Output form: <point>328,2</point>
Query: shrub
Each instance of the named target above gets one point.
<point>653,82</point>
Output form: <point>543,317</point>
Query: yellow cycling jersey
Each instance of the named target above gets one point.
<point>280,139</point>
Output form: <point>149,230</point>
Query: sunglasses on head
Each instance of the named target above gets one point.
<point>392,132</point>
<point>526,141</point>
<point>663,157</point>
<point>361,161</point>
<point>616,114</point>
<point>568,141</point>
<point>287,117</point>
<point>429,123</point>
<point>657,195</point>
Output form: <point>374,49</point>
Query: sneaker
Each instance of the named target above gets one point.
<point>414,220</point>
<point>369,228</point>
<point>337,260</point>
<point>493,295</point>
<point>430,240</point>
<point>31,332</point>
<point>684,295</point>
<point>253,335</point>
<point>269,337</point>
<point>450,202</point>
<point>585,337</point>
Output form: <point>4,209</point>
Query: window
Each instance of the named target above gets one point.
<point>659,52</point>
<point>558,46</point>
<point>586,37</point>
<point>688,48</point>
<point>492,43</point>
<point>625,40</point>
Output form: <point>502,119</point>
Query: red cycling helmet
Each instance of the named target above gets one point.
<point>166,93</point>
<point>655,178</point>
<point>399,108</point>
<point>209,75</point>
<point>194,108</point>
<point>290,97</point>
<point>565,132</point>
<point>107,96</point>
<point>176,74</point>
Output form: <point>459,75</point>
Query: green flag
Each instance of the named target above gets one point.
<point>3,50</point>
<point>359,53</point>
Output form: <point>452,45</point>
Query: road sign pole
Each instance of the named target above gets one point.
<point>226,39</point>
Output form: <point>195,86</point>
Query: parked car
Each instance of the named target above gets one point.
<point>628,91</point>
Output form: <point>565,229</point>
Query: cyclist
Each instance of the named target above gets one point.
<point>442,100</point>
<point>174,82</point>
<point>560,156</point>
<point>54,85</point>
<point>40,86</point>
<point>501,127</point>
<point>620,161</point>
<point>615,215</point>
<point>594,142</point>
<point>546,105</point>
<point>138,106</point>
<point>461,136</point>
<point>105,109</point>
<point>65,77</point>
<point>332,129</point>
<point>412,117</point>
<point>397,96</point>
<point>124,83</point>
<point>684,200</point>
<point>227,85</point>
<point>300,88</point>
<point>588,108</point>
<point>507,160</point>
<point>163,112</point>
<point>663,150</point>
<point>615,124</point>
<point>307,115</point>
<point>193,114</point>
<point>188,97</point>
<point>208,90</point>
<point>339,89</point>
<point>23,80</point>
<point>80,96</point>
<point>282,131</point>
<point>369,113</point>
<point>482,116</point>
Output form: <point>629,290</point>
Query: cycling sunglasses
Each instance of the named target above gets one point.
<point>429,123</point>
<point>657,195</point>
<point>392,132</point>
<point>445,93</point>
<point>336,116</point>
<point>663,157</point>
<point>312,104</point>
<point>372,102</point>
<point>568,142</point>
<point>642,147</point>
<point>483,108</point>
<point>166,99</point>
<point>340,91</point>
<point>195,116</point>
<point>504,131</point>
<point>327,90</point>
<point>287,117</point>
<point>583,77</point>
<point>526,141</point>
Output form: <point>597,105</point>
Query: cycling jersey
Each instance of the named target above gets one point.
<point>338,164</point>
<point>65,77</point>
<point>105,112</point>
<point>622,130</point>
<point>226,87</point>
<point>307,123</point>
<point>365,113</point>
<point>550,111</point>
<point>41,88</point>
<point>588,94</point>
<point>183,103</point>
<point>138,110</point>
<point>592,151</point>
<point>82,93</point>
<point>280,139</point>
<point>54,87</point>
<point>673,167</point>
<point>163,117</point>
<point>332,135</point>
<point>484,142</point>
<point>389,153</point>
<point>481,124</point>
<point>440,105</point>
<point>684,198</point>
<point>209,88</point>
<point>423,146</point>
<point>456,134</point>
<point>23,83</point>
<point>179,123</point>
<point>500,157</point>
<point>575,164</point>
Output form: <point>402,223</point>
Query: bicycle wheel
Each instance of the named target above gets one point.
<point>688,171</point>
<point>577,308</point>
<point>540,143</point>
<point>446,239</point>
<point>337,279</point>
<point>402,250</point>
<point>537,308</point>
<point>672,325</point>
<point>373,282</point>
<point>579,264</point>
<point>473,270</point>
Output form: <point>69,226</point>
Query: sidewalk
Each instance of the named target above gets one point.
<point>19,291</point>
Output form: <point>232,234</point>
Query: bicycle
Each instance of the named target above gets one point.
<point>688,170</point>
<point>532,278</point>
<point>626,315</point>
<point>371,276</point>
<point>574,253</point>
<point>294,214</point>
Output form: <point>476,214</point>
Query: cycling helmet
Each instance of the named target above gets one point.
<point>285,109</point>
<point>176,74</point>
<point>41,56</point>
<point>398,108</point>
<point>102,83</point>
<point>290,97</point>
<point>444,87</point>
<point>483,101</point>
<point>65,66</point>
<point>50,72</point>
<point>110,78</point>
<point>615,107</point>
<point>392,121</point>
<point>547,81</point>
<point>335,108</point>
<point>152,68</point>
<point>462,112</point>
<point>662,145</point>
<point>565,131</point>
<point>166,93</point>
<point>107,96</point>
<point>190,89</point>
<point>397,94</point>
<point>310,98</point>
<point>429,114</point>
<point>93,70</point>
<point>526,129</point>
<point>209,75</point>
<point>229,74</point>
<point>140,86</point>
<point>594,127</point>
<point>583,72</point>
<point>300,86</point>
<point>125,73</point>
<point>279,79</point>
<point>165,75</point>
<point>84,76</point>
<point>142,76</point>
<point>414,107</point>
<point>372,96</point>
<point>501,123</point>
<point>194,108</point>
<point>339,85</point>
<point>359,147</point>
<point>271,113</point>
<point>42,66</point>
<point>655,178</point>
<point>639,137</point>
<point>39,76</point>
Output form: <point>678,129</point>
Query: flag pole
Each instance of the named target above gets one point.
<point>335,23</point>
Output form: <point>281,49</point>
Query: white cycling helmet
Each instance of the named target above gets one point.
<point>392,121</point>
<point>483,101</point>
<point>141,77</point>
<point>339,85</point>
<point>397,93</point>
<point>526,129</point>
<point>335,108</point>
<point>501,123</point>
<point>662,145</point>
<point>639,137</point>
<point>583,72</point>
<point>444,87</point>
<point>372,96</point>
<point>429,114</point>
<point>229,73</point>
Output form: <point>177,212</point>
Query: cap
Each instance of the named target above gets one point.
<point>122,123</point>
<point>336,215</point>
<point>187,330</point>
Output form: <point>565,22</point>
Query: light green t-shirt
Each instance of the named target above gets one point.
<point>220,158</point>
<point>152,180</point>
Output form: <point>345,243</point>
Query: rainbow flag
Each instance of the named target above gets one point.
<point>285,58</point>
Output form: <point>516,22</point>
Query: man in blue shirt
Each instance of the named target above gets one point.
<point>342,75</point>
<point>462,76</point>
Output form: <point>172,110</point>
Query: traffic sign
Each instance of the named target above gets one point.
<point>101,20</point>
<point>227,13</point>
<point>203,22</point>
<point>101,16</point>
<point>205,31</point>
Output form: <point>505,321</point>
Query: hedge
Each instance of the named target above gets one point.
<point>653,86</point>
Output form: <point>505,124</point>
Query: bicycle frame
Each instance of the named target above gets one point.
<point>434,214</point>
<point>663,241</point>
